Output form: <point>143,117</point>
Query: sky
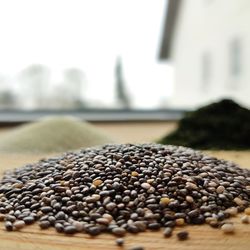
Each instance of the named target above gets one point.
<point>90,35</point>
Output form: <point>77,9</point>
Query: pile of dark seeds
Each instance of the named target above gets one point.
<point>124,188</point>
<point>221,125</point>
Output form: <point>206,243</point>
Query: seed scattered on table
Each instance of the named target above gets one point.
<point>70,229</point>
<point>119,242</point>
<point>228,228</point>
<point>232,211</point>
<point>8,226</point>
<point>247,211</point>
<point>137,248</point>
<point>245,219</point>
<point>2,217</point>
<point>183,235</point>
<point>167,231</point>
<point>44,224</point>
<point>17,225</point>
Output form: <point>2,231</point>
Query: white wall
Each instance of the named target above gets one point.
<point>210,26</point>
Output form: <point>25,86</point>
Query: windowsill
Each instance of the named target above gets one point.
<point>93,115</point>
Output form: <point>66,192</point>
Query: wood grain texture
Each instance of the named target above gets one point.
<point>201,237</point>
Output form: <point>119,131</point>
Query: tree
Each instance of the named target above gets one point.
<point>121,93</point>
<point>7,95</point>
<point>35,80</point>
<point>7,99</point>
<point>73,83</point>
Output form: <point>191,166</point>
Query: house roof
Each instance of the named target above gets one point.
<point>169,25</point>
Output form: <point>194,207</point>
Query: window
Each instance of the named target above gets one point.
<point>235,58</point>
<point>206,69</point>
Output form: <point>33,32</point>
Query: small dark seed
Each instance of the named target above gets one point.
<point>119,242</point>
<point>10,218</point>
<point>136,248</point>
<point>94,231</point>
<point>59,227</point>
<point>154,226</point>
<point>44,224</point>
<point>167,231</point>
<point>119,231</point>
<point>183,235</point>
<point>28,220</point>
<point>8,226</point>
<point>46,209</point>
<point>70,229</point>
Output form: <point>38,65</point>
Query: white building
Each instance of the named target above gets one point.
<point>208,43</point>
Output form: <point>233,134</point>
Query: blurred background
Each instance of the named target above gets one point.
<point>83,54</point>
<point>130,67</point>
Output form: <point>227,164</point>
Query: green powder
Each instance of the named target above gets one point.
<point>52,135</point>
<point>221,125</point>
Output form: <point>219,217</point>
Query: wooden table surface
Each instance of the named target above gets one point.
<point>201,237</point>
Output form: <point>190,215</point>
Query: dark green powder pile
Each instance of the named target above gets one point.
<point>220,125</point>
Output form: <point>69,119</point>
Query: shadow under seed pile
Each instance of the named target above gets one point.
<point>222,125</point>
<point>56,134</point>
<point>124,188</point>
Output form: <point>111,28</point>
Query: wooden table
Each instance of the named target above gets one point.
<point>201,237</point>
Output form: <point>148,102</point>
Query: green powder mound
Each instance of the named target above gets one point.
<point>221,125</point>
<point>52,135</point>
